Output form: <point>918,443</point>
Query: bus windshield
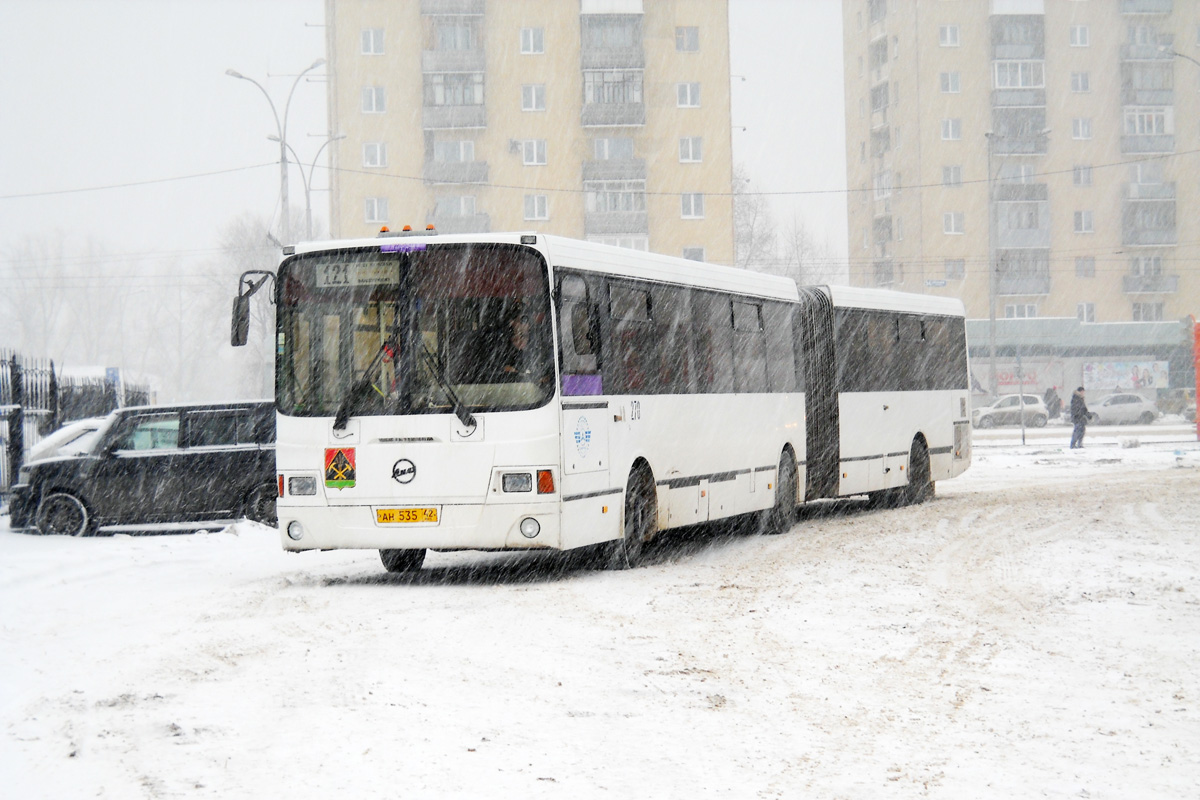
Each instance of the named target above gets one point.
<point>414,329</point>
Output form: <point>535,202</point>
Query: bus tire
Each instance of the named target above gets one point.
<point>402,560</point>
<point>782,516</point>
<point>920,486</point>
<point>640,522</point>
<point>64,514</point>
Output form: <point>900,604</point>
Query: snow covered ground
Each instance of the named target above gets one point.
<point>1032,632</point>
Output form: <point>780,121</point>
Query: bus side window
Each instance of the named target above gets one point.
<point>713,341</point>
<point>579,340</point>
<point>749,347</point>
<point>781,356</point>
<point>631,367</point>
<point>673,328</point>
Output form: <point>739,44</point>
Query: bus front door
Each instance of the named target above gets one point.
<point>591,496</point>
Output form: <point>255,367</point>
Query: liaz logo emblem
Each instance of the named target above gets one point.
<point>583,437</point>
<point>403,471</point>
<point>339,467</point>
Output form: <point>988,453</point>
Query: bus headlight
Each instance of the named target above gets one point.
<point>295,531</point>
<point>530,527</point>
<point>517,482</point>
<point>302,485</point>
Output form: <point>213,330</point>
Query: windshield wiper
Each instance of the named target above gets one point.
<point>360,387</point>
<point>460,410</point>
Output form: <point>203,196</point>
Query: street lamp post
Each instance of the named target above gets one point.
<point>307,179</point>
<point>281,129</point>
<point>993,386</point>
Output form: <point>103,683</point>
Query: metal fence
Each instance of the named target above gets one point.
<point>35,401</point>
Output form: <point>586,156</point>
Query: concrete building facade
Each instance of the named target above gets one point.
<point>1037,158</point>
<point>599,119</point>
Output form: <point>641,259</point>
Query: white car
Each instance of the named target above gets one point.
<point>1124,407</point>
<point>74,438</point>
<point>1008,409</point>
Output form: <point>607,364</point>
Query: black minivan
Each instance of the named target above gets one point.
<point>157,468</point>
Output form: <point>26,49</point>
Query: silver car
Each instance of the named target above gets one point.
<point>1124,407</point>
<point>1008,409</point>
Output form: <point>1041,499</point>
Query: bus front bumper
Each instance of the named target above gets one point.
<point>459,527</point>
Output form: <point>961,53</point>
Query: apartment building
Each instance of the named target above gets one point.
<point>599,119</point>
<point>1057,141</point>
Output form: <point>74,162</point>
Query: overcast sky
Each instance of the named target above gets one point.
<point>101,93</point>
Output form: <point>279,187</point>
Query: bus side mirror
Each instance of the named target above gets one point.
<point>241,320</point>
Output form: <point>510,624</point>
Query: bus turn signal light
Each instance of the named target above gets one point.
<point>545,481</point>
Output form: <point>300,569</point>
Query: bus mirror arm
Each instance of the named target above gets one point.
<point>240,330</point>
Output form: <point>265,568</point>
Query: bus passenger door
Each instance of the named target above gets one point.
<point>592,500</point>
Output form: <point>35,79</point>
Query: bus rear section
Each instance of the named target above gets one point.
<point>888,394</point>
<point>414,383</point>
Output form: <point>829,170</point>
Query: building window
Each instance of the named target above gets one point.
<point>457,205</point>
<point>956,268</point>
<point>1085,266</point>
<point>533,41</point>
<point>1079,36</point>
<point>537,206</point>
<point>948,36</point>
<point>1147,266</point>
<point>687,95</point>
<point>1149,121</point>
<point>951,129</point>
<point>953,222</point>
<point>899,229</point>
<point>374,154</point>
<point>628,242</point>
<point>1086,312</point>
<point>454,151</point>
<point>883,185</point>
<point>1020,310</point>
<point>1147,312</point>
<point>692,205</point>
<point>952,175</point>
<point>533,97</point>
<point>951,82</point>
<point>1019,74</point>
<point>687,39</point>
<point>372,41</point>
<point>1022,216</point>
<point>1083,222</point>
<point>693,253</point>
<point>1081,128</point>
<point>1015,173</point>
<point>615,197</point>
<point>454,89</point>
<point>612,86</point>
<point>376,210</point>
<point>1081,82</point>
<point>373,100</point>
<point>691,149</point>
<point>1082,176</point>
<point>613,148</point>
<point>533,152</point>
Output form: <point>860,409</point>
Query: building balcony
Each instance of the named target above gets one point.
<point>453,60</point>
<point>600,114</point>
<point>1150,191</point>
<point>1023,98</point>
<point>1021,237</point>
<point>1151,284</point>
<point>1018,192</point>
<point>455,172</point>
<point>1162,49</point>
<point>452,7</point>
<point>611,222</point>
<point>1035,7</point>
<point>1147,97</point>
<point>881,142</point>
<point>1147,6</point>
<point>1013,145</point>
<point>1148,143</point>
<point>468,223</point>
<point>437,117</point>
<point>1023,284</point>
<point>615,169</point>
<point>1144,237</point>
<point>612,58</point>
<point>1006,52</point>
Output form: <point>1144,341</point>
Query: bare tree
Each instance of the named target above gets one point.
<point>754,239</point>
<point>806,259</point>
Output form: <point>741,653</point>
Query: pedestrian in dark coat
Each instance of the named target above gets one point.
<point>1079,416</point>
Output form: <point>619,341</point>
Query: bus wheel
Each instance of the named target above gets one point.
<point>782,516</point>
<point>402,560</point>
<point>260,504</point>
<point>63,514</point>
<point>641,522</point>
<point>920,487</point>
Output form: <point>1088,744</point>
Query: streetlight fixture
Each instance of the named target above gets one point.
<point>1162,48</point>
<point>281,137</point>
<point>307,180</point>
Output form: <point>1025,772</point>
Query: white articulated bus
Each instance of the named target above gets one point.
<point>520,391</point>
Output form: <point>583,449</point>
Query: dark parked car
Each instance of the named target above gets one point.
<point>159,467</point>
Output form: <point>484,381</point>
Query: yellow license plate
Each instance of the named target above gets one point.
<point>389,516</point>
